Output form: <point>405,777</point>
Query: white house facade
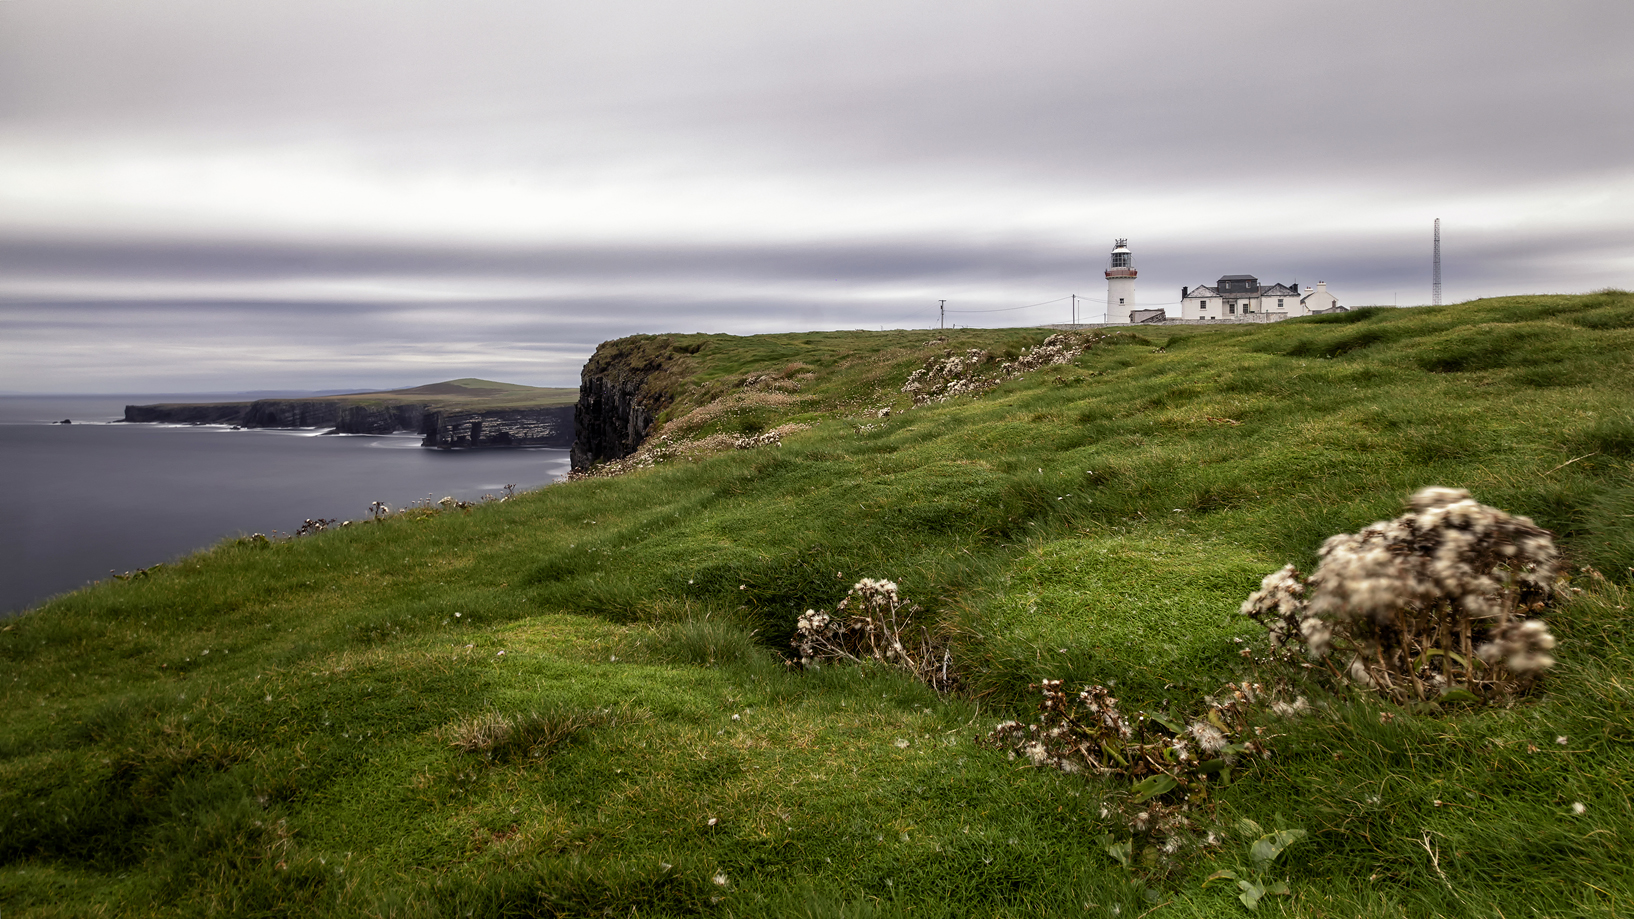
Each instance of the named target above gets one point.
<point>1318,300</point>
<point>1240,297</point>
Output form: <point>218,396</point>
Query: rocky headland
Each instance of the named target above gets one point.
<point>456,413</point>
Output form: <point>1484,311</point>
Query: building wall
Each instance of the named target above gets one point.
<point>1116,289</point>
<point>1193,306</point>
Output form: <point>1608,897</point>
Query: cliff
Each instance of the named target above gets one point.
<point>458,413</point>
<point>537,427</point>
<point>623,389</point>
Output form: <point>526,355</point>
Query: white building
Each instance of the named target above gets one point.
<point>1120,282</point>
<point>1319,301</point>
<point>1242,297</point>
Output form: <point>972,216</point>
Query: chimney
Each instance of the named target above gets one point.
<point>1183,292</point>
<point>1322,286</point>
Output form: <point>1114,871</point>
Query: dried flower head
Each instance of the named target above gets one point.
<point>1423,603</point>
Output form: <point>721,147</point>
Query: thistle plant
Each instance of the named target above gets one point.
<point>874,622</point>
<point>1432,605</point>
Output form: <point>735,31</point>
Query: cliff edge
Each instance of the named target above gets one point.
<point>624,388</point>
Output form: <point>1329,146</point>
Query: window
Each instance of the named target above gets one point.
<point>1120,301</point>
<point>1231,308</point>
<point>1279,304</point>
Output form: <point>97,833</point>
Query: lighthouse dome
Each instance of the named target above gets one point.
<point>1122,262</point>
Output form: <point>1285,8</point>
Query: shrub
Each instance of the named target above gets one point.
<point>963,374</point>
<point>1431,605</point>
<point>873,622</point>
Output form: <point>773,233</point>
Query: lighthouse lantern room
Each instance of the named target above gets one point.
<point>1120,283</point>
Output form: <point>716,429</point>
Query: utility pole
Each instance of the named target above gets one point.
<point>943,307</point>
<point>1435,285</point>
<point>1075,311</point>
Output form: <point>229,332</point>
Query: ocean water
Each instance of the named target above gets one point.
<point>94,497</point>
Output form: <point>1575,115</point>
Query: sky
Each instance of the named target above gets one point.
<point>223,195</point>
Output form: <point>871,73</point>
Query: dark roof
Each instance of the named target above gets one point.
<point>1204,291</point>
<point>1238,277</point>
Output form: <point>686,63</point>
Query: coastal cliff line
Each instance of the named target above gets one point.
<point>459,413</point>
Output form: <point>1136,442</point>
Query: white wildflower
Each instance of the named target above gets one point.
<point>1208,736</point>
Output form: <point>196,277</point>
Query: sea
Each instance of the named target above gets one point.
<point>86,500</point>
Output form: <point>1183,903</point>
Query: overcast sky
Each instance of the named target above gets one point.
<point>204,195</point>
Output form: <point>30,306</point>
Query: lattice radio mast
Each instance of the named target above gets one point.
<point>1435,285</point>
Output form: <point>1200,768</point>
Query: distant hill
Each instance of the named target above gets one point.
<point>467,390</point>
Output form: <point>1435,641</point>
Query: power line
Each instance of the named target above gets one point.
<point>1007,309</point>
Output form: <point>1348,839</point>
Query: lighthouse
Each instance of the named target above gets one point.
<point>1120,283</point>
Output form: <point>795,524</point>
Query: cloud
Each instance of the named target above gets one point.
<point>314,194</point>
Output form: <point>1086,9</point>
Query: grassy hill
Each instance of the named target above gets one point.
<point>575,702</point>
<point>470,392</point>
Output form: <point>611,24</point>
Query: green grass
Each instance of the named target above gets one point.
<point>287,729</point>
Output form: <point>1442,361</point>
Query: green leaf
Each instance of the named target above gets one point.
<point>1169,724</point>
<point>1280,888</point>
<point>1113,753</point>
<point>1248,827</point>
<point>1224,874</point>
<point>1459,695</point>
<point>1209,767</point>
<point>1121,851</point>
<point>1251,894</point>
<point>1154,786</point>
<point>1268,847</point>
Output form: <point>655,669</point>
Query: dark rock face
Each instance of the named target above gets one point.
<point>345,418</point>
<point>622,391</point>
<point>529,427</point>
<point>609,422</point>
<point>218,413</point>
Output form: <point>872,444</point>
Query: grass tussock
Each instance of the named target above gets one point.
<point>532,736</point>
<point>345,724</point>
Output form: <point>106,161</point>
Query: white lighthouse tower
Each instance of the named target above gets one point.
<point>1120,283</point>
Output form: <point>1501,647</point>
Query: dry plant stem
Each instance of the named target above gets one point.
<point>1469,655</point>
<point>1446,629</point>
<point>1408,664</point>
